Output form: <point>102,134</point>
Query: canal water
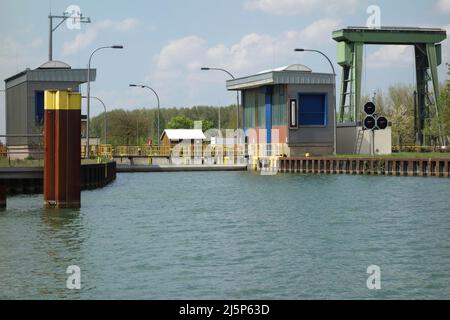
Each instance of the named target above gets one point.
<point>233,235</point>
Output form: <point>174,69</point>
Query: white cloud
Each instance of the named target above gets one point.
<point>443,6</point>
<point>127,24</point>
<point>82,40</point>
<point>86,38</point>
<point>391,56</point>
<point>176,68</point>
<point>253,51</point>
<point>300,7</point>
<point>16,54</point>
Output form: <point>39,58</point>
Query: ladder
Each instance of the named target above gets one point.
<point>347,92</point>
<point>359,140</point>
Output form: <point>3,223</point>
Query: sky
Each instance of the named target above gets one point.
<point>167,41</point>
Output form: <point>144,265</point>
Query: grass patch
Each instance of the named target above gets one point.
<point>4,163</point>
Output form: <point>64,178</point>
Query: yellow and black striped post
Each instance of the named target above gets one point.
<point>62,144</point>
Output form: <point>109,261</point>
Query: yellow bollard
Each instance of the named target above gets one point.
<point>255,163</point>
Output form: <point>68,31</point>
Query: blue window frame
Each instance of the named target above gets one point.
<point>39,108</point>
<point>312,109</point>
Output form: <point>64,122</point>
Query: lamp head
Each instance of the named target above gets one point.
<point>117,47</point>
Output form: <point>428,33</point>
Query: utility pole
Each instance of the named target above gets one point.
<point>78,18</point>
<point>137,132</point>
<point>219,118</point>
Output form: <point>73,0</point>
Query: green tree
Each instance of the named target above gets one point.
<point>180,122</point>
<point>445,107</point>
<point>129,127</point>
<point>435,126</point>
<point>207,124</point>
<point>399,108</point>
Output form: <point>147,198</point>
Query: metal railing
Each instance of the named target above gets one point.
<point>260,150</point>
<point>144,150</point>
<point>266,155</point>
<point>225,153</point>
<point>3,151</point>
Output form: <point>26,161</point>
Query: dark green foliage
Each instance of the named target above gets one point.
<point>138,126</point>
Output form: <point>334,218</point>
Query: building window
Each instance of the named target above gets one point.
<point>249,109</point>
<point>261,109</point>
<point>39,108</point>
<point>279,109</point>
<point>293,113</point>
<point>312,109</point>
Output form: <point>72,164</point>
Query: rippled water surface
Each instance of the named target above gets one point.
<point>233,236</point>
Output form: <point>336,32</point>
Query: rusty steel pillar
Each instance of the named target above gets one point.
<point>49,149</point>
<point>62,128</point>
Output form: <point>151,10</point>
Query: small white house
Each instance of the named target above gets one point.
<point>174,136</point>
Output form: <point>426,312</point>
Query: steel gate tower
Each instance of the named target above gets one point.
<point>427,47</point>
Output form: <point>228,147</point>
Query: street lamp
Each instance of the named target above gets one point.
<point>157,98</point>
<point>334,91</point>
<point>89,92</point>
<point>105,117</point>
<point>237,92</point>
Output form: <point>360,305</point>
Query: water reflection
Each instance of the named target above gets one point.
<point>60,240</point>
<point>232,236</point>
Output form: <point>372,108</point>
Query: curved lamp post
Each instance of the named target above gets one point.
<point>104,118</point>
<point>237,92</point>
<point>334,91</point>
<point>89,92</point>
<point>157,98</point>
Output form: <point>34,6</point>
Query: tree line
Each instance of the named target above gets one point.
<point>397,103</point>
<point>136,127</point>
<point>399,106</point>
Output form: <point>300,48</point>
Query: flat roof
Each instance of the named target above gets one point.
<point>294,74</point>
<point>390,35</point>
<point>184,134</point>
<point>50,75</point>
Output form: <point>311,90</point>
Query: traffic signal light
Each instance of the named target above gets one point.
<point>369,108</point>
<point>372,121</point>
<point>382,123</point>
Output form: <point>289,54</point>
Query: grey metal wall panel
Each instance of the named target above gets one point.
<point>71,75</point>
<point>20,98</point>
<point>16,113</point>
<point>45,75</point>
<point>14,81</point>
<point>279,106</point>
<point>313,135</point>
<point>280,77</point>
